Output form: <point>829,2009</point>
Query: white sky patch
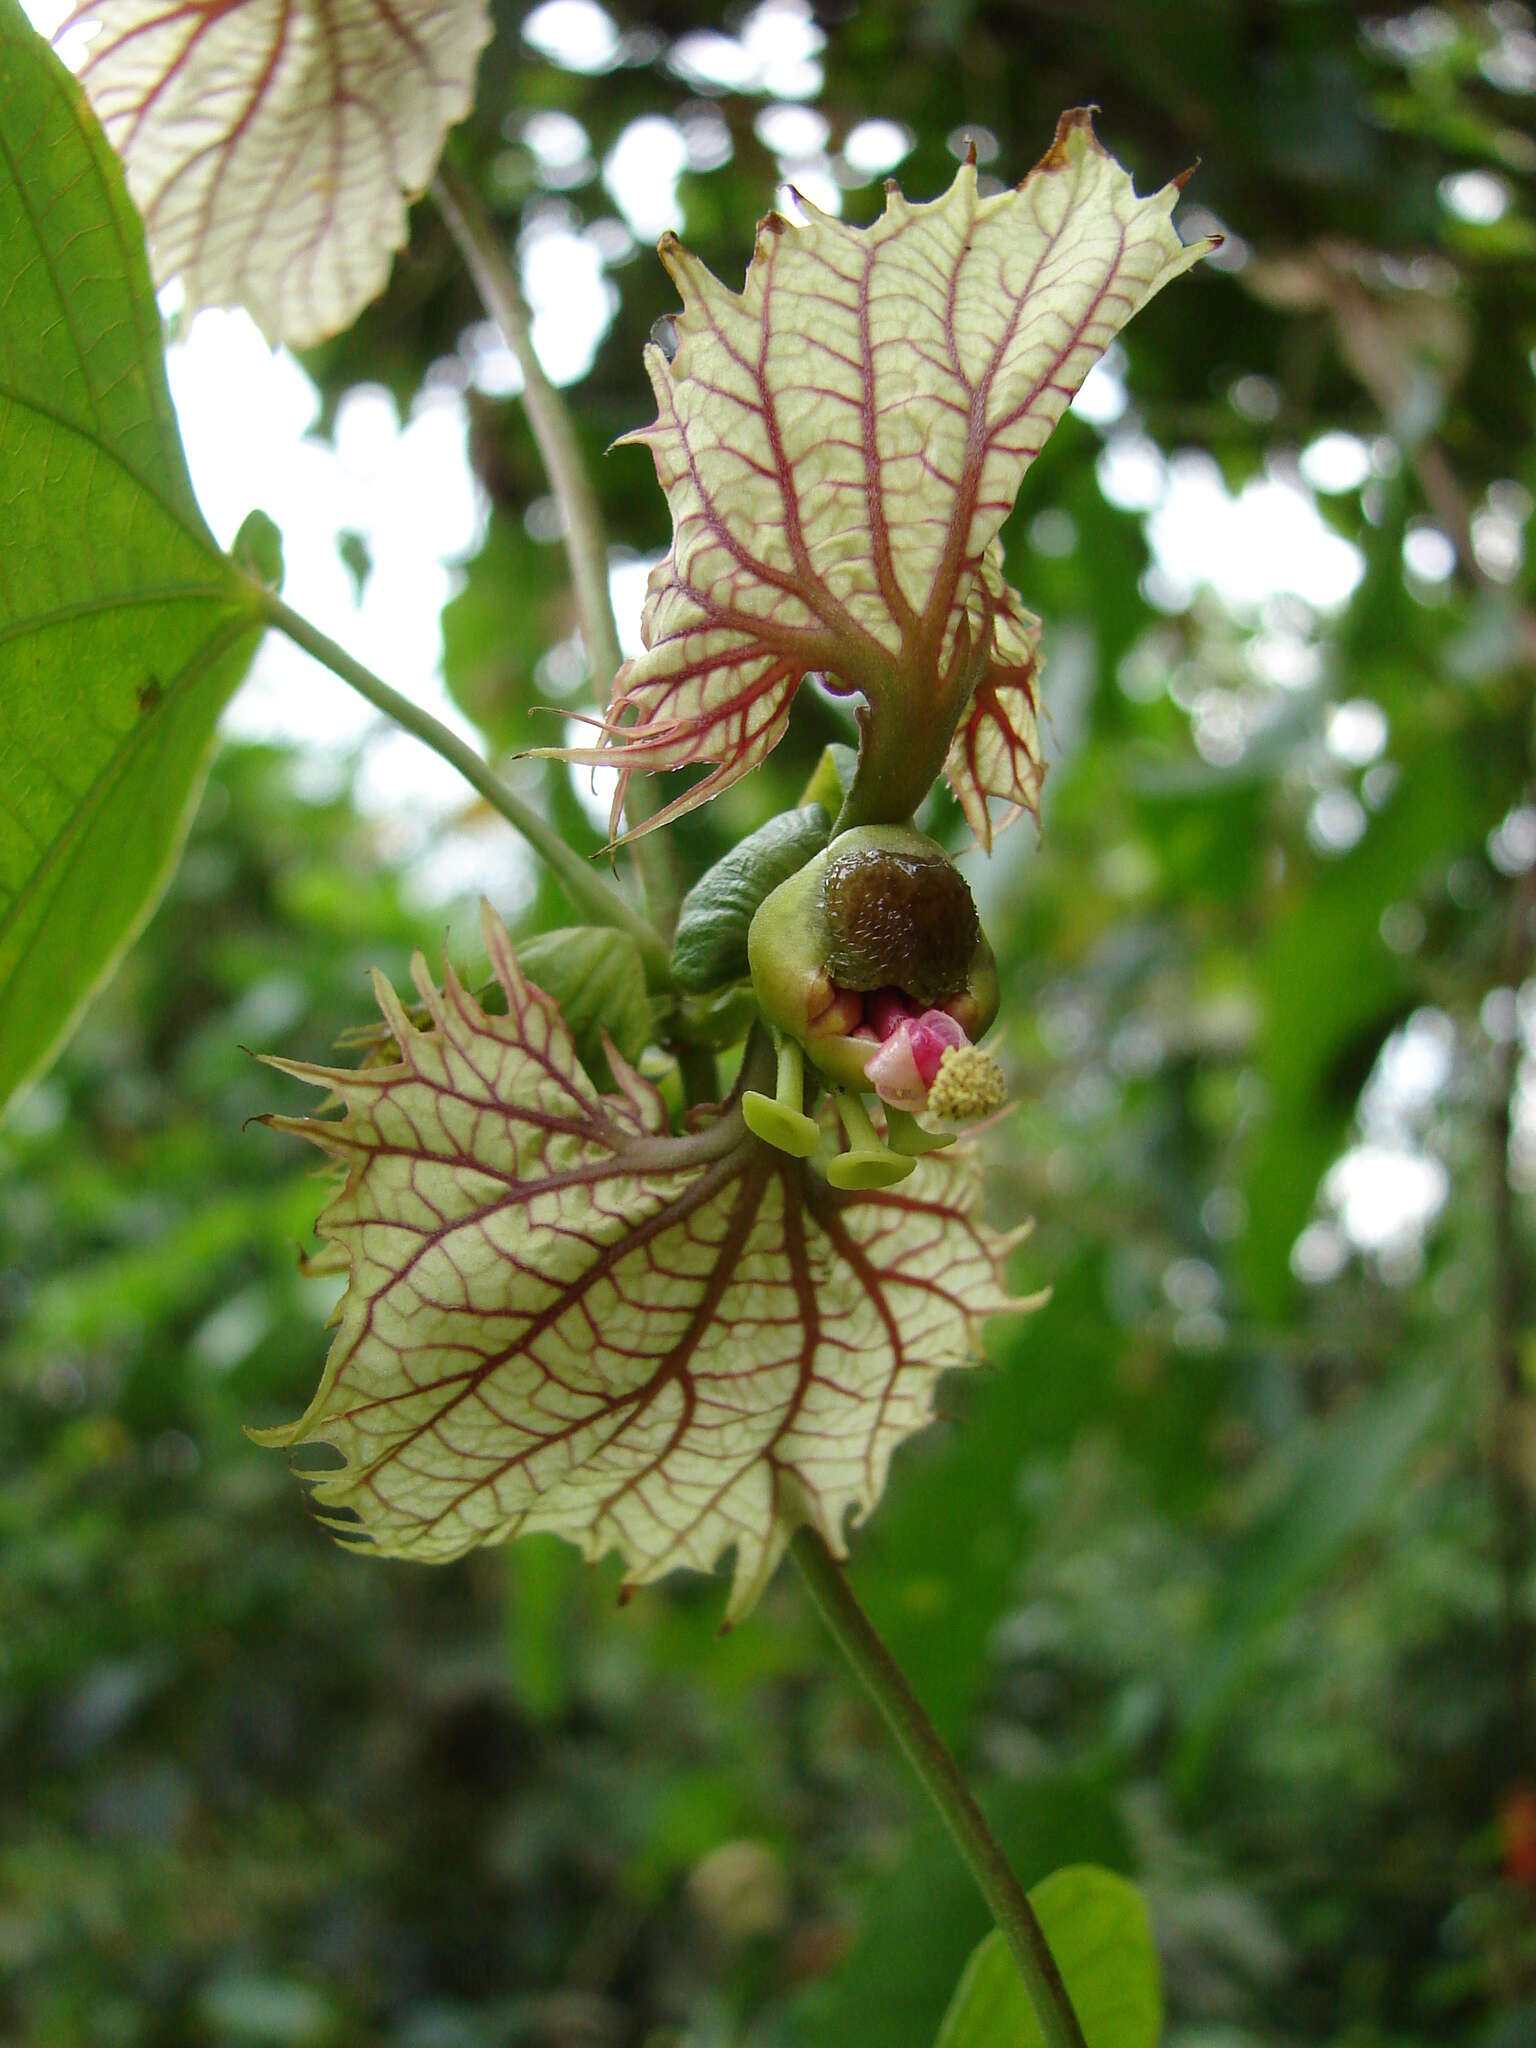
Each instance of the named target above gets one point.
<point>1512,842</point>
<point>705,134</point>
<point>247,415</point>
<point>1101,398</point>
<point>641,172</point>
<point>1268,539</point>
<point>1336,822</point>
<point>791,131</point>
<point>1131,471</point>
<point>627,578</point>
<point>557,139</point>
<point>874,147</point>
<point>571,300</point>
<point>813,180</point>
<point>1282,657</point>
<point>1411,1074</point>
<point>712,61</point>
<point>578,35</point>
<point>1386,1192</point>
<point>493,369</point>
<point>1511,63</point>
<point>1385,1197</point>
<point>1429,554</point>
<point>1499,548</point>
<point>1357,732</point>
<point>775,53</point>
<point>1336,462</point>
<point>1477,197</point>
<point>47,15</point>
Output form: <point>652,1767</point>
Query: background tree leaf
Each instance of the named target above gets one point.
<point>1099,1933</point>
<point>122,628</point>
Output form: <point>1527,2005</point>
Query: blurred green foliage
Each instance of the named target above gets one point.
<point>1220,1575</point>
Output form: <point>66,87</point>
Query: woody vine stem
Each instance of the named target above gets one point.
<point>851,1628</point>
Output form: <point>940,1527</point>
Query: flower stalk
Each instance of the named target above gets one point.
<point>586,546</point>
<point>920,1742</point>
<point>587,888</point>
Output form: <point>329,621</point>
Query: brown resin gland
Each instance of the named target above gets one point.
<point>901,920</point>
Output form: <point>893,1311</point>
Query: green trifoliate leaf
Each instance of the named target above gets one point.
<point>1097,1927</point>
<point>840,443</point>
<point>273,145</point>
<point>123,630</point>
<point>561,1317</point>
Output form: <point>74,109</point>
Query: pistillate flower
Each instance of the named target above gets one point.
<point>871,964</point>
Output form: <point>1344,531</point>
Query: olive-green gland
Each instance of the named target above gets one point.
<point>899,918</point>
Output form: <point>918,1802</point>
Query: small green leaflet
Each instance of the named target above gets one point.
<point>596,979</point>
<point>123,630</point>
<point>1099,1933</point>
<point>560,1316</point>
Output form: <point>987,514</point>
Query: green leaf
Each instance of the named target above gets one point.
<point>1101,1937</point>
<point>123,630</point>
<point>597,979</point>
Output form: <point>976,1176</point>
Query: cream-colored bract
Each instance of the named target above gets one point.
<point>560,1317</point>
<point>840,443</point>
<point>272,146</point>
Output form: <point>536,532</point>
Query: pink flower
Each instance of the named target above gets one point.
<point>912,1046</point>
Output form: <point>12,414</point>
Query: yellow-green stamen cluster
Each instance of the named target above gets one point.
<point>969,1084</point>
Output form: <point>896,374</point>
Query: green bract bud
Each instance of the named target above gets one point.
<point>882,913</point>
<point>710,947</point>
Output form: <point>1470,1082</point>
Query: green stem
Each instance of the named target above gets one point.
<point>884,1680</point>
<point>900,759</point>
<point>586,547</point>
<point>700,1078</point>
<point>585,886</point>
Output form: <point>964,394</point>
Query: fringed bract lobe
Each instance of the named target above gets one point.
<point>840,442</point>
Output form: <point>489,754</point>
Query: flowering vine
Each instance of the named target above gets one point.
<point>584,1293</point>
<point>561,1312</point>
